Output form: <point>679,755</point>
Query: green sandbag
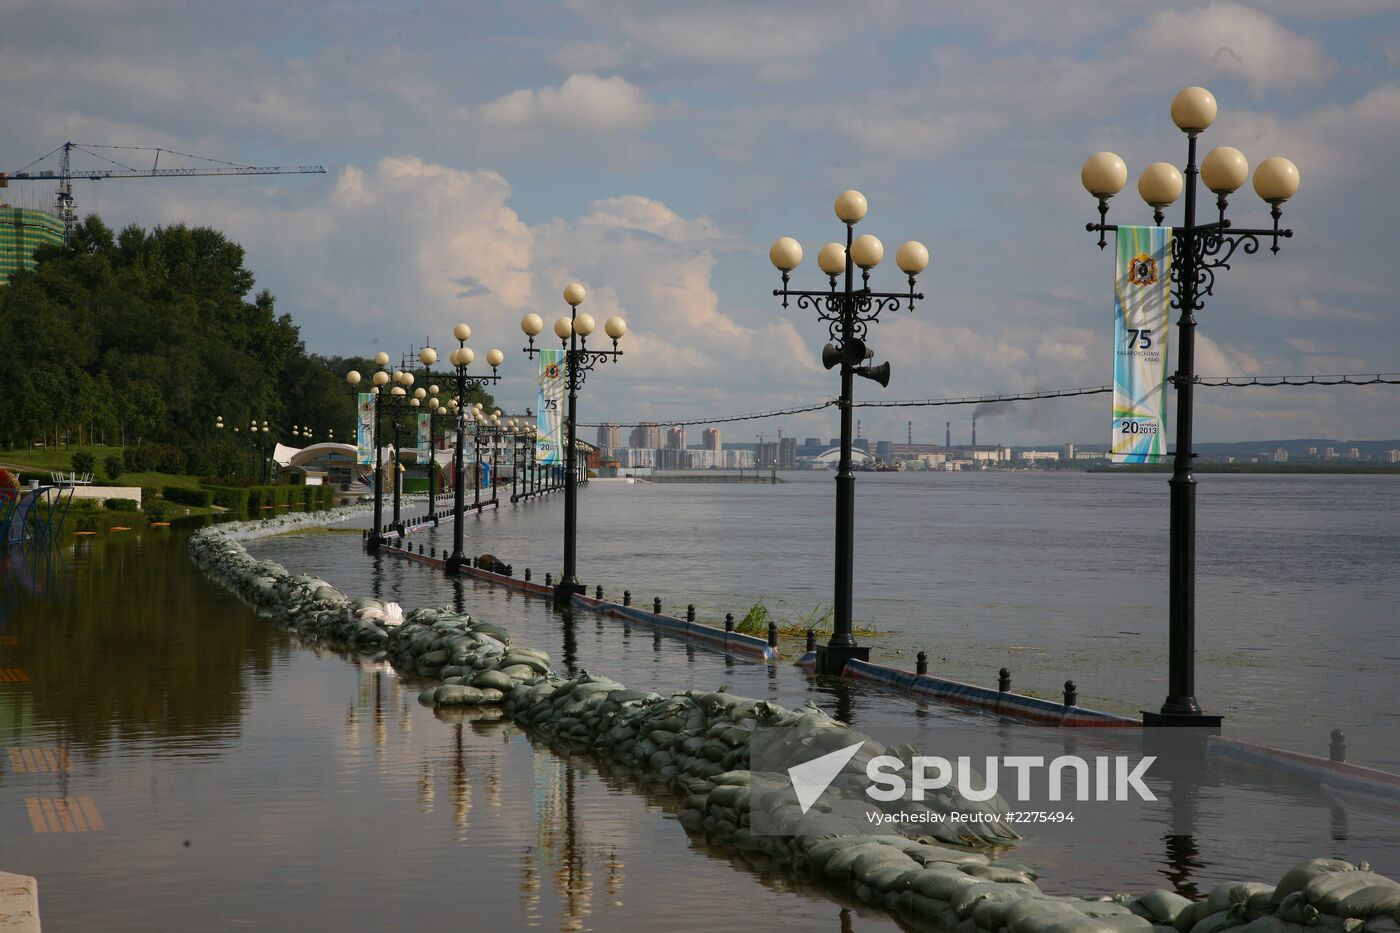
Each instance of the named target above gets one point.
<point>1361,894</point>
<point>1297,877</point>
<point>1221,920</point>
<point>966,900</point>
<point>1159,906</point>
<point>941,884</point>
<point>496,679</point>
<point>457,695</point>
<point>1233,894</point>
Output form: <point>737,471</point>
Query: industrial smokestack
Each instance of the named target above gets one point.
<point>974,430</point>
<point>947,434</point>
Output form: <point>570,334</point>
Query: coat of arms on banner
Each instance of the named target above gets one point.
<point>1142,270</point>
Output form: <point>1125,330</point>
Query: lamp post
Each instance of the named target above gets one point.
<point>378,381</point>
<point>461,358</point>
<point>848,309</point>
<point>1197,250</point>
<point>399,403</point>
<point>573,331</point>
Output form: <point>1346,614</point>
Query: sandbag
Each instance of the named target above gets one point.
<point>1159,906</point>
<point>1297,877</point>
<point>1361,894</point>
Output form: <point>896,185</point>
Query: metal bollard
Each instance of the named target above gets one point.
<point>1004,680</point>
<point>656,605</point>
<point>811,640</point>
<point>921,663</point>
<point>1071,693</point>
<point>690,613</point>
<point>527,574</point>
<point>626,597</point>
<point>549,579</point>
<point>729,622</point>
<point>772,634</point>
<point>1338,749</point>
<point>433,552</point>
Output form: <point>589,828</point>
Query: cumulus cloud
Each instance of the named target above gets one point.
<point>1231,39</point>
<point>584,102</point>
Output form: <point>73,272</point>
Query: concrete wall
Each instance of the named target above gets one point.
<point>19,904</point>
<point>107,492</point>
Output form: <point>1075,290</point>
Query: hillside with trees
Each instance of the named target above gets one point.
<point>142,339</point>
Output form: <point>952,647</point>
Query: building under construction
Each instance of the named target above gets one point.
<point>21,232</point>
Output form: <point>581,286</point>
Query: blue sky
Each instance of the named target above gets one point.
<point>481,156</point>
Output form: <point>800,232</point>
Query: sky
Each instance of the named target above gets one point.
<point>482,156</point>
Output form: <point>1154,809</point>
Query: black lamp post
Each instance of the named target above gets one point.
<point>574,331</point>
<point>378,380</point>
<point>1197,250</point>
<point>460,359</point>
<point>848,309</point>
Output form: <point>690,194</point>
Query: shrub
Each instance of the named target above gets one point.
<point>83,462</point>
<point>120,505</point>
<point>84,505</point>
<point>199,498</point>
<point>155,510</point>
<point>113,466</point>
<point>229,497</point>
<point>28,476</point>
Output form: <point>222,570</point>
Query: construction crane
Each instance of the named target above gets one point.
<point>66,208</point>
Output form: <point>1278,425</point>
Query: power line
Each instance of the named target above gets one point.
<point>1352,379</point>
<point>1232,382</point>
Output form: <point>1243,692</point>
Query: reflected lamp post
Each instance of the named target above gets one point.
<point>574,332</point>
<point>848,309</point>
<point>1197,250</point>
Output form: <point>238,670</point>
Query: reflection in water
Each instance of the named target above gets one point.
<point>570,653</point>
<point>106,663</point>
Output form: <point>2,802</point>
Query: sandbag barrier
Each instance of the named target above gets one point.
<point>698,741</point>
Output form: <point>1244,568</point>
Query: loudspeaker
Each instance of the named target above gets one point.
<point>880,374</point>
<point>830,356</point>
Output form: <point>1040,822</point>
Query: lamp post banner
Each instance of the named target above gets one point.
<point>1141,325</point>
<point>425,438</point>
<point>364,428</point>
<point>550,405</point>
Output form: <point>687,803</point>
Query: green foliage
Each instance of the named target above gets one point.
<point>229,497</point>
<point>755,621</point>
<point>120,505</point>
<point>84,505</point>
<point>84,462</point>
<point>28,476</point>
<point>793,624</point>
<point>146,337</point>
<point>200,498</point>
<point>155,510</point>
<point>113,465</point>
<point>155,458</point>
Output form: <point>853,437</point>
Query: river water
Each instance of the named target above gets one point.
<point>242,778</point>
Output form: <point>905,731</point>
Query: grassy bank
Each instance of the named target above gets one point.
<point>47,460</point>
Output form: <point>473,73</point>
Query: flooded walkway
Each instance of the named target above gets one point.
<point>172,761</point>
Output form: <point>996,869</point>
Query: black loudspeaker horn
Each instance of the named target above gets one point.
<point>855,351</point>
<point>830,356</point>
<point>880,374</point>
